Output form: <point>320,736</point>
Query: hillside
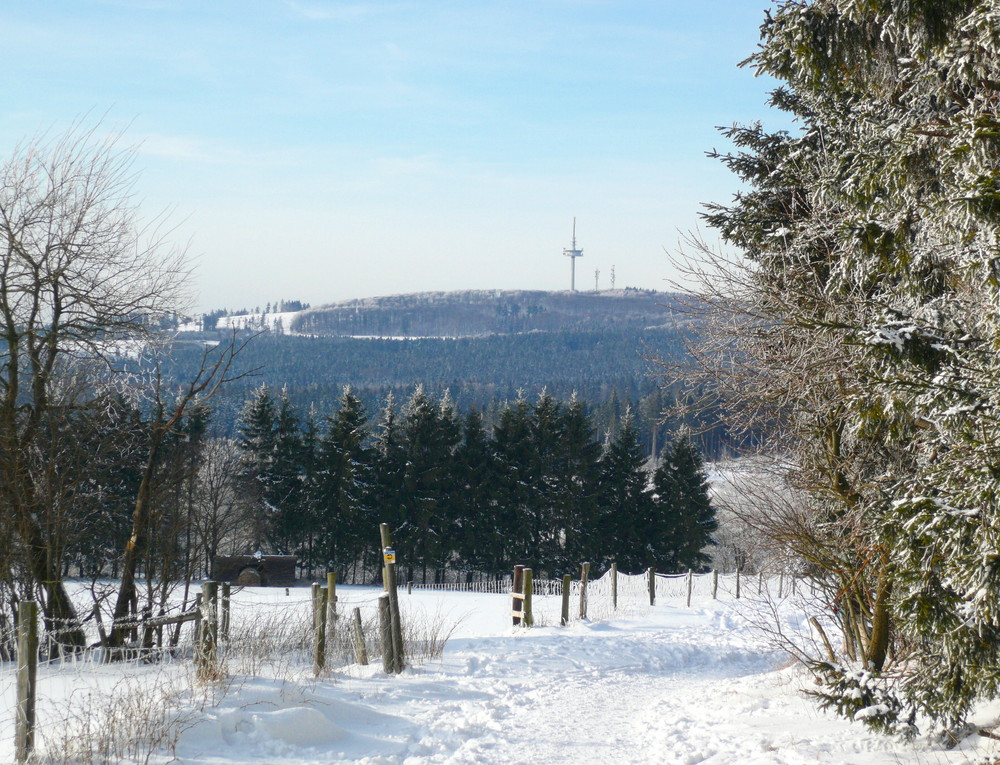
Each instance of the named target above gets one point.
<point>478,313</point>
<point>484,347</point>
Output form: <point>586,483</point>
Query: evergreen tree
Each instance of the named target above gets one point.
<point>479,531</point>
<point>543,529</point>
<point>256,426</point>
<point>626,505</point>
<point>684,519</point>
<point>344,480</point>
<point>283,494</point>
<point>430,436</point>
<point>514,449</point>
<point>871,239</point>
<point>311,503</point>
<point>386,493</point>
<point>575,497</point>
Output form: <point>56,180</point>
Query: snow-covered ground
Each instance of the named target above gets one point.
<point>667,684</point>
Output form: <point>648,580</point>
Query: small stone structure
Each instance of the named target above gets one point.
<point>255,570</point>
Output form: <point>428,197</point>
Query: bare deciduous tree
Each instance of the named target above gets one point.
<point>81,279</point>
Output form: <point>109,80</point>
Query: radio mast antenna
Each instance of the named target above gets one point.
<point>573,254</point>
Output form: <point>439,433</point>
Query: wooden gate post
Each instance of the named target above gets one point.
<point>389,575</point>
<point>517,595</point>
<point>224,619</point>
<point>529,620</point>
<point>199,617</point>
<point>567,579</point>
<point>360,651</point>
<point>319,596</point>
<point>27,671</point>
<point>206,652</point>
<point>614,586</point>
<point>584,578</point>
<point>651,575</point>
<point>385,634</point>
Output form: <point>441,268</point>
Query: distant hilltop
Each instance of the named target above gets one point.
<point>476,313</point>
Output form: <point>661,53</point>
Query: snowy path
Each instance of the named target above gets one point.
<point>667,685</point>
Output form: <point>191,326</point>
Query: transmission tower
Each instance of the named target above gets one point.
<point>573,254</point>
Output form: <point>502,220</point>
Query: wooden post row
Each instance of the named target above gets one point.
<point>27,671</point>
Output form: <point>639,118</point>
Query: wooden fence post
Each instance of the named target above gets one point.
<point>517,595</point>
<point>651,584</point>
<point>389,571</point>
<point>100,625</point>
<point>614,586</point>
<point>27,670</point>
<point>224,620</point>
<point>584,577</point>
<point>360,651</point>
<point>529,620</point>
<point>690,583</point>
<point>760,582</point>
<point>385,634</point>
<point>737,584</point>
<point>566,581</point>
<point>199,617</point>
<point>206,651</point>
<point>319,596</point>
<point>715,584</point>
<point>331,608</point>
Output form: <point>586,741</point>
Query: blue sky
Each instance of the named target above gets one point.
<point>326,150</point>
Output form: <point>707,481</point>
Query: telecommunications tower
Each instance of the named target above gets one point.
<point>573,254</point>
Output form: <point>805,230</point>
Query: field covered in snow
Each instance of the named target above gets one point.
<point>667,684</point>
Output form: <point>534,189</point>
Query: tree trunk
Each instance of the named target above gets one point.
<point>878,643</point>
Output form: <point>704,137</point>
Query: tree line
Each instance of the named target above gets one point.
<point>539,487</point>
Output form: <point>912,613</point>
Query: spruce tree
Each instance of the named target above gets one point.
<point>575,496</point>
<point>256,438</point>
<point>626,506</point>
<point>346,523</point>
<point>386,492</point>
<point>684,520</point>
<point>513,445</point>
<point>871,279</point>
<point>478,531</point>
